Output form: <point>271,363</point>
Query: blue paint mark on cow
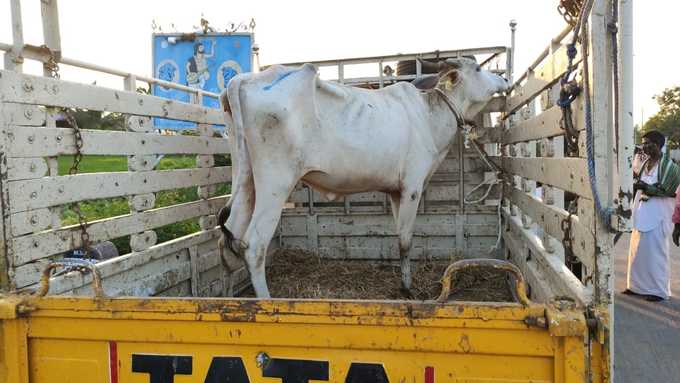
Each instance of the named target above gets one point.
<point>279,79</point>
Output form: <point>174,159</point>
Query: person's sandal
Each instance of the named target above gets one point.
<point>629,292</point>
<point>653,298</point>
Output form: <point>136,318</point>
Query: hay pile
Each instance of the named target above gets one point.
<point>301,274</point>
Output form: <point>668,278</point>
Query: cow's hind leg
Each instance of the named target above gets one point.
<point>241,213</point>
<point>269,201</point>
<point>408,208</point>
<point>234,220</point>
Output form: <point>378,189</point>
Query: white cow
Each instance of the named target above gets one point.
<point>287,125</point>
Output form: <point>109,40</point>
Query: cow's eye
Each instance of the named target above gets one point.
<point>478,68</point>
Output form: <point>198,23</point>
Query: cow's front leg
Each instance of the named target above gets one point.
<point>408,207</point>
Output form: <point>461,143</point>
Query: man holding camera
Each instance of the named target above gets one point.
<point>655,189</point>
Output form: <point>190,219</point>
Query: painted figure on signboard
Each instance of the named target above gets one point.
<point>167,70</point>
<point>197,66</point>
<point>226,72</point>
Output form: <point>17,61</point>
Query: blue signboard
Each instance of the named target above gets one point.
<point>205,61</point>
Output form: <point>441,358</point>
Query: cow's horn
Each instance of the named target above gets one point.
<point>428,65</point>
<point>454,63</point>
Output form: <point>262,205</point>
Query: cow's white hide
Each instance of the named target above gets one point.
<point>288,125</point>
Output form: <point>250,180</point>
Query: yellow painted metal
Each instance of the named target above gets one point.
<point>14,353</point>
<point>600,345</point>
<point>69,339</point>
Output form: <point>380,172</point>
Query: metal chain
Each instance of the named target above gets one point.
<point>567,241</point>
<point>53,67</point>
<point>51,64</point>
<point>569,87</point>
<point>77,158</point>
<point>570,9</point>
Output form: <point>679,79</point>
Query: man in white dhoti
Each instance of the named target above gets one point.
<point>648,257</point>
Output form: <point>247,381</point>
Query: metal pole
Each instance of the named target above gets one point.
<point>50,21</point>
<point>13,58</point>
<point>626,123</point>
<point>513,29</point>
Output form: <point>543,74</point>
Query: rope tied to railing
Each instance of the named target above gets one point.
<point>569,91</point>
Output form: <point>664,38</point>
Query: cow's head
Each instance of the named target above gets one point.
<point>465,81</point>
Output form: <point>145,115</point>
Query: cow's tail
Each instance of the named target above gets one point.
<point>231,104</point>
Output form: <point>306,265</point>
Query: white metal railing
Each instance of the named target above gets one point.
<point>33,229</point>
<point>43,55</point>
<point>556,41</point>
<point>380,61</point>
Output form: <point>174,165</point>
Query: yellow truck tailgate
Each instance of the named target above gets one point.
<point>78,339</point>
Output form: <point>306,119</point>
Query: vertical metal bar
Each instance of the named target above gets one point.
<point>517,180</point>
<point>139,162</point>
<point>313,232</point>
<point>14,60</point>
<point>341,72</point>
<point>53,163</point>
<point>130,83</point>
<point>548,192</point>
<point>17,27</point>
<point>528,185</point>
<point>626,133</point>
<point>600,77</point>
<point>195,272</point>
<point>461,173</point>
<point>50,23</point>
<point>51,39</point>
<point>602,125</point>
<point>528,149</point>
<point>310,195</point>
<point>511,55</point>
<point>381,82</point>
<point>6,263</point>
<point>510,150</point>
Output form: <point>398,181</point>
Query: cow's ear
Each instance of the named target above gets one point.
<point>224,101</point>
<point>454,77</point>
<point>427,82</point>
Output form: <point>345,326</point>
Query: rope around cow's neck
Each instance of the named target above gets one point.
<point>466,127</point>
<point>460,119</point>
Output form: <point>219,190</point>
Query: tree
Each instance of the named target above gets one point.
<point>667,120</point>
<point>92,119</point>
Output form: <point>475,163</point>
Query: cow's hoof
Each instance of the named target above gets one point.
<point>406,293</point>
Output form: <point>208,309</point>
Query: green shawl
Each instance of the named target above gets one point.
<point>668,176</point>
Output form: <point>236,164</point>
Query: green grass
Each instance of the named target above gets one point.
<point>111,207</point>
<point>92,164</point>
